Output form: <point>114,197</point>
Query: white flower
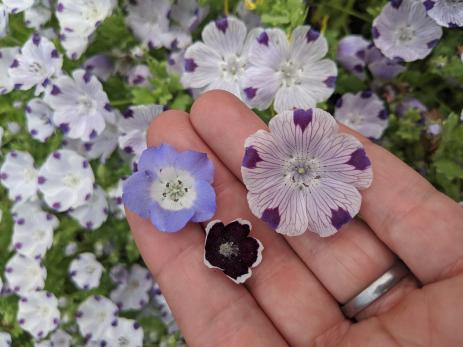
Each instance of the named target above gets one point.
<point>164,310</point>
<point>13,127</point>
<point>38,313</point>
<point>60,339</point>
<point>38,62</point>
<point>86,271</point>
<point>134,294</point>
<point>100,65</point>
<point>293,72</point>
<point>119,274</point>
<point>39,123</point>
<point>5,339</point>
<point>19,176</point>
<point>71,249</point>
<point>94,316</point>
<point>94,213</point>
<point>139,75</point>
<point>7,56</point>
<point>133,127</point>
<point>126,332</point>
<point>24,274</point>
<point>33,230</point>
<point>448,13</point>
<point>187,14</point>
<point>219,61</point>
<point>116,205</point>
<point>66,180</point>
<point>78,20</point>
<point>16,6</point>
<point>43,343</point>
<point>81,107</point>
<point>3,20</point>
<point>38,15</point>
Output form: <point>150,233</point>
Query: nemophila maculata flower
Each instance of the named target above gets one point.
<point>7,56</point>
<point>294,73</point>
<point>447,13</point>
<point>38,15</point>
<point>94,316</point>
<point>38,62</point>
<point>65,180</point>
<point>39,120</point>
<point>81,106</point>
<point>218,61</point>
<point>231,249</point>
<point>303,174</point>
<point>60,339</point>
<point>100,65</point>
<point>403,30</point>
<point>38,313</point>
<point>17,6</point>
<point>171,188</point>
<point>139,75</point>
<point>94,213</point>
<point>364,112</point>
<point>188,14</point>
<point>24,274</point>
<point>85,271</point>
<point>126,332</point>
<point>5,339</point>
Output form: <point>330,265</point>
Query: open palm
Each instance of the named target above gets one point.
<point>293,296</point>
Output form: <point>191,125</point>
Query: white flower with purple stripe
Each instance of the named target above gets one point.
<point>85,271</point>
<point>7,56</point>
<point>448,13</point>
<point>81,106</point>
<point>5,338</point>
<point>17,6</point>
<point>294,73</point>
<point>403,30</point>
<point>24,274</point>
<point>39,120</point>
<point>363,112</point>
<point>304,174</point>
<point>94,213</point>
<point>3,20</point>
<point>219,61</point>
<point>19,176</point>
<point>65,180</point>
<point>38,62</point>
<point>38,314</point>
<point>171,188</point>
<point>94,316</point>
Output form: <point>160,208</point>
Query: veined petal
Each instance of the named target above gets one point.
<point>259,85</point>
<point>225,35</point>
<point>170,221</point>
<point>205,202</point>
<point>307,45</point>
<point>202,66</point>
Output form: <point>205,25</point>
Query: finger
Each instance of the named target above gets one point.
<point>210,310</point>
<point>345,263</point>
<point>281,284</point>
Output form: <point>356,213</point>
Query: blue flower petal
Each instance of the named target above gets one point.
<point>155,158</point>
<point>169,221</point>
<point>197,164</point>
<point>204,205</point>
<point>136,194</point>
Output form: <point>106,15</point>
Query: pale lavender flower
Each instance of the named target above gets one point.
<point>65,180</point>
<point>38,15</point>
<point>3,20</point>
<point>403,30</point>
<point>187,14</point>
<point>448,13</point>
<point>304,174</point>
<point>351,54</point>
<point>219,61</point>
<point>411,103</point>
<point>24,274</point>
<point>60,339</point>
<point>19,176</point>
<point>171,188</point>
<point>94,213</point>
<point>94,316</point>
<point>17,6</point>
<point>139,75</point>
<point>434,129</point>
<point>38,62</point>
<point>294,73</point>
<point>7,56</point>
<point>126,332</point>
<point>364,112</point>
<point>100,65</point>
<point>116,206</point>
<point>5,339</point>
<point>39,120</point>
<point>119,274</point>
<point>81,106</point>
<point>85,271</point>
<point>134,293</point>
<point>38,314</point>
<point>382,67</point>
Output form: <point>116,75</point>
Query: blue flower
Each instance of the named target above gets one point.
<point>171,188</point>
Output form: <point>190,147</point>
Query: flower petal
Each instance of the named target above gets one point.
<point>170,221</point>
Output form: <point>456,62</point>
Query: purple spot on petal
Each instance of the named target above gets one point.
<point>271,216</point>
<point>330,82</point>
<point>128,113</point>
<point>20,221</point>
<point>190,65</point>
<point>33,132</point>
<point>359,159</point>
<point>312,35</point>
<point>263,38</point>
<point>453,25</point>
<point>41,180</point>
<point>358,68</point>
<point>340,217</point>
<point>428,4</point>
<point>55,90</point>
<point>64,127</point>
<point>250,92</point>
<point>93,134</point>
<point>361,54</point>
<point>339,103</point>
<point>18,245</point>
<point>375,32</point>
<point>382,114</point>
<point>302,118</point>
<point>87,76</point>
<point>14,64</point>
<point>36,39</point>
<point>54,54</point>
<point>222,24</point>
<point>60,7</point>
<point>79,314</point>
<point>396,3</point>
<point>88,196</point>
<point>89,225</point>
<point>22,321</point>
<point>136,325</point>
<point>73,273</point>
<point>56,155</point>
<point>251,158</point>
<point>3,176</point>
<point>85,164</point>
<point>56,205</point>
<point>366,94</point>
<point>433,43</point>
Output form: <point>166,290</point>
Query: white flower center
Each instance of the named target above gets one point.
<point>36,68</point>
<point>174,189</point>
<point>289,73</point>
<point>86,105</point>
<point>44,311</point>
<point>39,235</point>
<point>232,67</point>
<point>89,269</point>
<point>101,316</point>
<point>134,284</point>
<point>302,172</point>
<point>228,249</point>
<point>123,341</point>
<point>355,119</point>
<point>71,180</point>
<point>30,175</point>
<point>406,33</point>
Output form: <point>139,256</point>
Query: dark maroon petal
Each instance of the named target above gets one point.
<point>237,230</point>
<point>263,38</point>
<point>251,158</point>
<point>340,217</point>
<point>190,65</point>
<point>302,118</point>
<point>271,216</point>
<point>312,35</point>
<point>359,159</point>
<point>222,24</point>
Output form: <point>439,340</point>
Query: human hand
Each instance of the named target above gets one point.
<point>293,296</point>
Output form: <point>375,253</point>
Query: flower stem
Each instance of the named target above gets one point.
<point>347,10</point>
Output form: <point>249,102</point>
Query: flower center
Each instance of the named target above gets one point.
<point>302,172</point>
<point>406,33</point>
<point>123,341</point>
<point>289,73</point>
<point>37,68</point>
<point>232,67</point>
<point>228,249</point>
<point>355,119</point>
<point>71,180</point>
<point>89,269</point>
<point>134,284</point>
<point>30,175</point>
<point>85,104</point>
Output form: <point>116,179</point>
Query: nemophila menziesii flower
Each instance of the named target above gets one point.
<point>94,316</point>
<point>448,13</point>
<point>133,127</point>
<point>294,73</point>
<point>363,112</point>
<point>7,56</point>
<point>37,15</point>
<point>139,75</point>
<point>187,14</point>
<point>304,174</point>
<point>17,6</point>
<point>37,63</point>
<point>39,120</point>
<point>5,339</point>
<point>100,65</point>
<point>81,106</point>
<point>65,180</point>
<point>85,271</point>
<point>38,313</point>
<point>171,188</point>
<point>3,20</point>
<point>134,293</point>
<point>24,274</point>
<point>403,30</point>
<point>19,176</point>
<point>126,332</point>
<point>94,213</point>
<point>219,61</point>
<point>231,249</point>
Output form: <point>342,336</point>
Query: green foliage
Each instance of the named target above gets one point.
<point>276,14</point>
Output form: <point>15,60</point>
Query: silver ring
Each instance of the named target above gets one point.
<point>375,290</point>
